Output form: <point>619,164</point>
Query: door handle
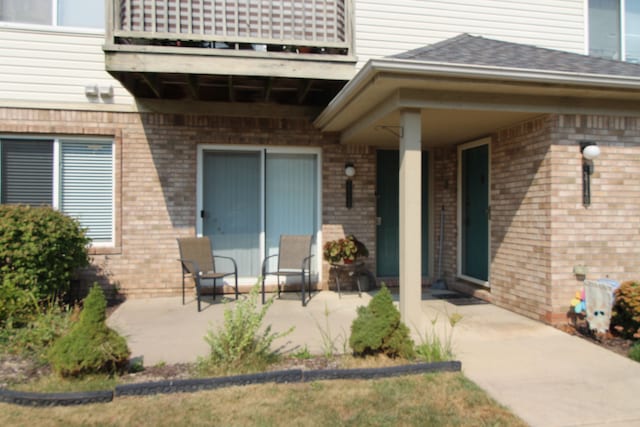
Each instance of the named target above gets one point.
<point>202,214</point>
<point>378,221</point>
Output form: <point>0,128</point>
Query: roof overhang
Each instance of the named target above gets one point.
<point>461,102</point>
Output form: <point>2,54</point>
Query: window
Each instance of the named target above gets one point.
<point>64,13</point>
<point>73,175</point>
<point>614,29</point>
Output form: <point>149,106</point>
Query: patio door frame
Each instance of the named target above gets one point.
<point>263,151</point>
<point>461,148</point>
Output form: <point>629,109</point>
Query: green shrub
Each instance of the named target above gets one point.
<point>378,329</point>
<point>17,306</point>
<point>634,352</point>
<point>626,310</point>
<point>40,250</point>
<point>240,345</point>
<point>34,339</point>
<point>91,346</point>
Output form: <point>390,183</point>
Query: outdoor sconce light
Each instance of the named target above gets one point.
<point>349,171</point>
<point>590,151</point>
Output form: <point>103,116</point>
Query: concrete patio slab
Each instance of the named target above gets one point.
<point>545,376</point>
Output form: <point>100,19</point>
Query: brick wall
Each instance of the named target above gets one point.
<point>540,229</point>
<point>520,224</point>
<point>338,220</point>
<point>445,184</point>
<point>156,171</point>
<point>605,236</point>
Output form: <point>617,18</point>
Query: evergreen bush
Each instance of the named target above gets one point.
<point>634,352</point>
<point>626,310</point>
<point>91,346</point>
<point>378,329</point>
<point>40,250</point>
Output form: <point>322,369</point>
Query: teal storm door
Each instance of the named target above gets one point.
<point>388,196</point>
<point>474,212</point>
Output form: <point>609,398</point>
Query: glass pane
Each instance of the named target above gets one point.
<point>86,187</point>
<point>81,13</point>
<point>632,36</point>
<point>291,198</point>
<point>27,172</point>
<point>231,203</point>
<point>604,28</point>
<point>26,11</point>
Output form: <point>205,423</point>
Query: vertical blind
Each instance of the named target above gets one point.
<point>291,198</point>
<point>86,186</point>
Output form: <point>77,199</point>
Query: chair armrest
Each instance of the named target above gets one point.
<point>307,260</point>
<point>194,264</point>
<point>235,266</point>
<point>264,263</point>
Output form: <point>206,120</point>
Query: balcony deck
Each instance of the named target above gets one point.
<point>292,52</point>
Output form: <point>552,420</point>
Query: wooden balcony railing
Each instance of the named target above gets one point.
<point>302,26</point>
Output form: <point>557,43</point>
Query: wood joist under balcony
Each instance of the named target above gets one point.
<point>228,88</point>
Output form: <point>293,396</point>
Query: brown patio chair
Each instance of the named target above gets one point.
<point>294,259</point>
<point>198,261</point>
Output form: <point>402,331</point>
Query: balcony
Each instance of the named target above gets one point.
<point>288,52</point>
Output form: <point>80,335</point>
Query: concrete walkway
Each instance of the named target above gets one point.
<point>545,376</point>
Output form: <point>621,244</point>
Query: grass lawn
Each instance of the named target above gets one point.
<point>444,399</point>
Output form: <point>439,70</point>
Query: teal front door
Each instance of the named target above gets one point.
<point>387,190</point>
<point>474,239</point>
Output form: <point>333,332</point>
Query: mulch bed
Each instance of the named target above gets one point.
<point>580,328</point>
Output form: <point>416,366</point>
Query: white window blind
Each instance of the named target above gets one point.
<point>86,186</point>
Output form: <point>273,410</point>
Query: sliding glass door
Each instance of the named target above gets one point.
<point>231,207</point>
<point>251,197</point>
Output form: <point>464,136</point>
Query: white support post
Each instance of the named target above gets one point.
<point>410,219</point>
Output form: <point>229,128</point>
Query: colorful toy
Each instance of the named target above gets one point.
<point>578,303</point>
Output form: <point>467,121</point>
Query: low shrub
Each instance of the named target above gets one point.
<point>40,250</point>
<point>378,329</point>
<point>634,352</point>
<point>90,347</point>
<point>34,339</point>
<point>241,345</point>
<point>625,317</point>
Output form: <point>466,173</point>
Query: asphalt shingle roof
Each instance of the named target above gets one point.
<point>474,50</point>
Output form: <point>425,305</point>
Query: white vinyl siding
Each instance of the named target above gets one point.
<point>54,66</point>
<point>86,190</point>
<point>386,28</point>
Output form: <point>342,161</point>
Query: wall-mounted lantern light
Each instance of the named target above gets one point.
<point>590,151</point>
<point>349,171</point>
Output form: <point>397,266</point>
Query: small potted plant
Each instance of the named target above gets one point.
<point>346,250</point>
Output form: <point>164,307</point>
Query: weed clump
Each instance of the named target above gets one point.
<point>91,346</point>
<point>240,345</point>
<point>626,310</point>
<point>378,329</point>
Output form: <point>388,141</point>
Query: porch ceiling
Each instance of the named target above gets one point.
<point>459,103</point>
